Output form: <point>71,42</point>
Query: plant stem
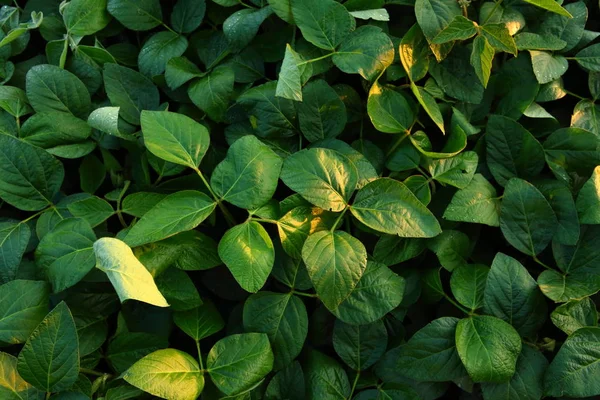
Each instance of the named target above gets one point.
<point>119,213</point>
<point>335,224</point>
<point>455,304</point>
<point>18,121</point>
<point>48,394</point>
<point>199,354</point>
<point>169,28</point>
<point>574,95</point>
<point>265,220</point>
<point>316,59</point>
<point>354,384</point>
<point>228,217</point>
<point>537,260</point>
<point>91,372</point>
<point>35,215</point>
<point>303,294</point>
<point>493,11</point>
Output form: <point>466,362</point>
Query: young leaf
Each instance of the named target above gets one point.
<point>574,315</point>
<point>55,340</point>
<point>434,16</point>
<point>178,212</point>
<point>248,175</point>
<point>526,219</point>
<point>460,28</point>
<point>158,50</point>
<point>512,295</point>
<point>389,206</point>
<point>169,373</point>
<point>237,362</point>
<point>499,37</point>
<point>175,137</point>
<point>482,56</point>
<point>293,74</point>
<point>85,17</point>
<point>476,203</point>
<point>335,262</point>
<point>569,372</point>
<point>130,278</point>
<point>141,15</point>
<point>324,23</point>
<point>283,318</point>
<point>212,92</point>
<point>468,283</point>
<point>548,67</point>
<point>247,250</point>
<point>324,177</point>
<point>488,348</point>
<point>23,305</point>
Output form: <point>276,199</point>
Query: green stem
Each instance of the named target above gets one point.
<point>354,385</point>
<point>199,354</point>
<point>228,217</point>
<point>574,95</point>
<point>537,260</point>
<point>63,55</point>
<point>35,215</point>
<point>91,372</point>
<point>396,144</point>
<point>316,59</point>
<point>119,213</point>
<point>169,28</point>
<point>265,220</point>
<point>455,304</point>
<point>18,121</point>
<point>303,294</point>
<point>245,5</point>
<point>48,394</point>
<point>335,224</point>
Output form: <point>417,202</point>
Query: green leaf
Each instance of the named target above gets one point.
<point>300,222</point>
<point>434,16</point>
<point>429,105</point>
<point>248,175</point>
<point>460,28</point>
<point>511,150</point>
<point>247,250</point>
<point>570,372</point>
<point>51,129</point>
<point>324,177</point>
<point>175,137</point>
<point>452,248</point>
<point>534,41</point>
<point>527,221</point>
<point>488,348</point>
<point>414,53</point>
<point>50,88</point>
<point>294,73</point>
<point>187,15</point>
<point>588,200</point>
<point>325,378</point>
<point>178,289</point>
<point>574,315</point>
<point>481,59</point>
<point>561,200</point>
<point>456,77</point>
<point>66,254</point>
<point>419,186</point>
<point>138,15</point>
<point>12,386</point>
<point>367,51</point>
<point>389,110</point>
<point>138,204</point>
<point>321,114</point>
<point>270,116</point>
<point>378,292</point>
<point>391,249</point>
<point>512,295</point>
<point>324,23</point>
<point>237,362</point>
<point>178,212</point>
<point>92,332</point>
<point>212,92</point>
<point>125,349</point>
<point>548,67</point>
<point>14,237</point>
<point>570,30</point>
<point>23,305</point>
<point>242,26</point>
<point>588,58</point>
<point>199,322</point>
<point>92,209</point>
<point>85,17</point>
<point>376,14</point>
<point>283,318</point>
<point>468,283</point>
<point>158,50</point>
<point>389,206</point>
<point>476,203</point>
<point>289,382</point>
<point>130,278</point>
<point>360,346</point>
<point>456,171</point>
<point>55,340</point>
<point>526,383</point>
<point>14,101</point>
<point>550,5</point>
<point>169,374</point>
<point>129,90</point>
<point>499,38</point>
<point>430,354</point>
<point>30,176</point>
<point>335,262</point>
<point>457,141</point>
<point>180,70</point>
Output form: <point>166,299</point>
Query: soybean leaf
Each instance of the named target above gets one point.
<point>12,386</point>
<point>23,305</point>
<point>212,92</point>
<point>476,203</point>
<point>321,114</point>
<point>140,15</point>
<point>574,315</point>
<point>14,237</point>
<point>324,23</point>
<point>199,322</point>
<point>85,17</point>
<point>360,346</point>
<point>389,109</point>
<point>468,283</point>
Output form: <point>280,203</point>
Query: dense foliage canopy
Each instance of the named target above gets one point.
<point>299,199</point>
